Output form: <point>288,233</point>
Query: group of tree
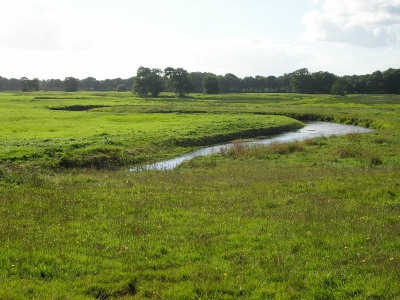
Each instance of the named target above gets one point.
<point>92,84</point>
<point>299,81</point>
<point>148,81</point>
<point>28,85</point>
<point>211,84</point>
<point>178,80</point>
<point>71,84</point>
<point>88,84</point>
<point>151,82</point>
<point>387,82</point>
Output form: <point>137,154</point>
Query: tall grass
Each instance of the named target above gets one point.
<point>238,149</point>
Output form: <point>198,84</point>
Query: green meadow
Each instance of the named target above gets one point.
<point>313,219</point>
<point>109,130</point>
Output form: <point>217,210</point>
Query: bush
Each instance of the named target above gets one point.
<point>121,88</point>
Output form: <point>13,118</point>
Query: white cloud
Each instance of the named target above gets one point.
<point>365,23</point>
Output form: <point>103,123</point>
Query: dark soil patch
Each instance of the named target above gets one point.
<point>77,107</point>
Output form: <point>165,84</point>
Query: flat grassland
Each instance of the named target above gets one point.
<point>315,219</point>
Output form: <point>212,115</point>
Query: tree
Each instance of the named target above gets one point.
<point>34,85</point>
<point>375,83</point>
<point>223,87</point>
<point>391,81</point>
<point>323,82</point>
<point>179,80</point>
<point>55,85</point>
<point>29,85</point>
<point>271,84</point>
<point>260,84</point>
<point>128,83</point>
<point>106,85</point>
<point>356,82</point>
<point>156,82</point>
<point>284,82</point>
<point>25,85</point>
<point>148,81</point>
<point>300,81</point>
<point>250,84</point>
<point>70,84</point>
<point>210,84</point>
<point>341,87</point>
<point>13,84</point>
<point>88,84</point>
<point>197,80</point>
<point>3,83</point>
<point>121,88</point>
<point>117,82</point>
<point>232,82</point>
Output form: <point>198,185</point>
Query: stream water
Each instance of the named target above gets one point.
<point>312,129</point>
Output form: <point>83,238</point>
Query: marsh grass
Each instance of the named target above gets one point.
<point>239,150</point>
<point>315,219</point>
<point>350,150</point>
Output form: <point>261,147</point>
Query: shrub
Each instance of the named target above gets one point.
<point>121,88</point>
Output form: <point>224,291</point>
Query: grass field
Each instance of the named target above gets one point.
<point>83,130</point>
<point>315,219</point>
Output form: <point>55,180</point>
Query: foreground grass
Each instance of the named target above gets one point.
<point>251,229</point>
<point>317,219</point>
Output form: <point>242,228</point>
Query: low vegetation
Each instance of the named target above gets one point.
<point>313,219</point>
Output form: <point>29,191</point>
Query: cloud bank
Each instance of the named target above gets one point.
<point>363,23</point>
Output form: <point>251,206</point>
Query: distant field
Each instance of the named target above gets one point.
<point>314,219</point>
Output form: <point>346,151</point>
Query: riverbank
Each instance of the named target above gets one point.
<point>311,130</point>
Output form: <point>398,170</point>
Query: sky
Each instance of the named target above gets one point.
<point>48,39</point>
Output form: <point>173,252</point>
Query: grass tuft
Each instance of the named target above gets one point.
<point>239,150</point>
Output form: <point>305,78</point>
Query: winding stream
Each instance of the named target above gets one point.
<point>311,130</point>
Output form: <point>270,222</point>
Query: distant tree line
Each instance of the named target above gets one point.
<point>88,84</point>
<point>299,81</point>
<point>150,82</point>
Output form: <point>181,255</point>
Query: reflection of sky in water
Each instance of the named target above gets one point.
<point>311,130</point>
